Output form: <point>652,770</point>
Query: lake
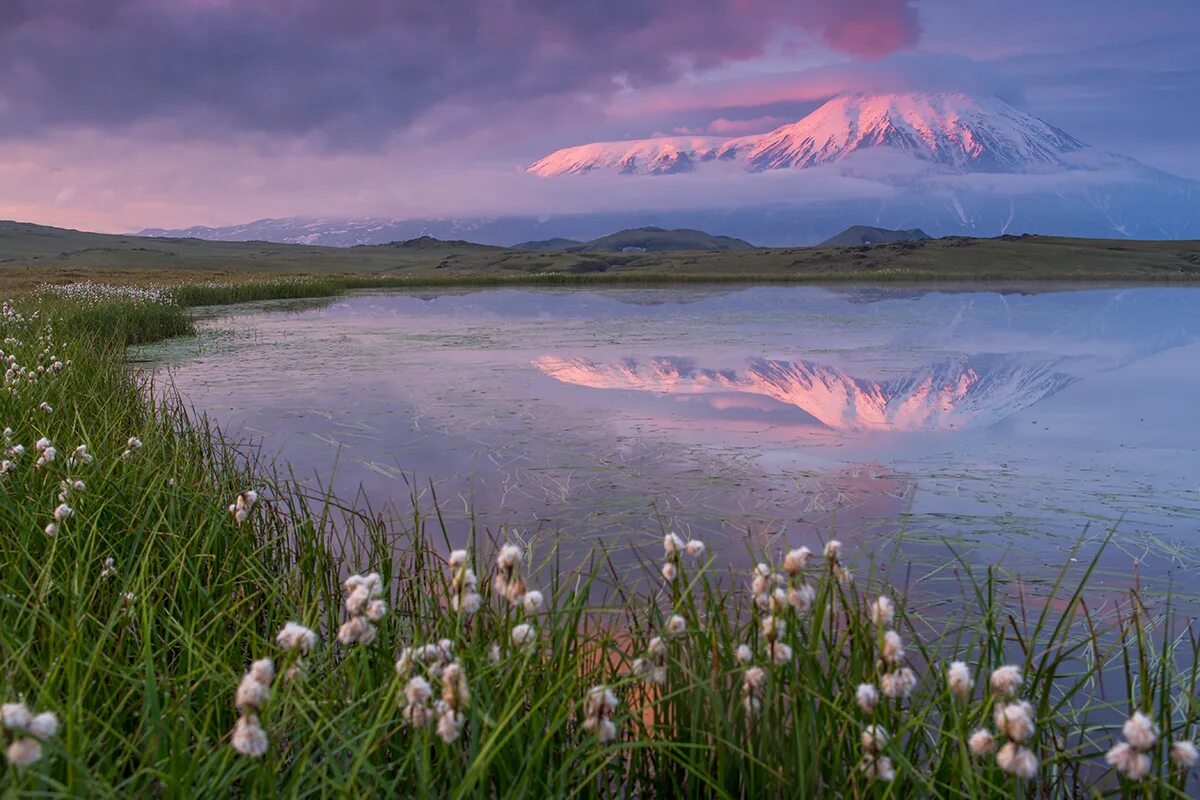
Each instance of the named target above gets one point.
<point>898,420</point>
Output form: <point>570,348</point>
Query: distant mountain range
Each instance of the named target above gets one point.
<point>947,163</point>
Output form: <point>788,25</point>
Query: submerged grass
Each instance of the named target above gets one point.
<point>136,618</point>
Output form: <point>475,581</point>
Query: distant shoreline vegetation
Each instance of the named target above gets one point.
<point>176,619</point>
<point>32,255</point>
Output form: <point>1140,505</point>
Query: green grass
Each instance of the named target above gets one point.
<point>141,666</point>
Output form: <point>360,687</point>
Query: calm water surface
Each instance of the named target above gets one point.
<point>894,419</point>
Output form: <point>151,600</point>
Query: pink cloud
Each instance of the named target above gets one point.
<point>740,127</point>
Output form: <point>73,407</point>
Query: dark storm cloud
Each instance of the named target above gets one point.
<point>356,70</point>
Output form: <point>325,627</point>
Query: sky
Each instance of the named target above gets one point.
<point>116,115</point>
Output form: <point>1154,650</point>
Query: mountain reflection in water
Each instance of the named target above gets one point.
<point>959,393</point>
<point>1003,423</point>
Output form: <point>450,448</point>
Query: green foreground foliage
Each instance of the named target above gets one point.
<point>135,621</point>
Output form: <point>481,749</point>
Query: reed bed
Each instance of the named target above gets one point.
<point>194,626</point>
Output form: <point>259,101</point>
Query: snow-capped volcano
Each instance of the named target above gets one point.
<point>954,130</point>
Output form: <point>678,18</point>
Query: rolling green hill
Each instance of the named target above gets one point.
<point>865,234</point>
<point>34,254</point>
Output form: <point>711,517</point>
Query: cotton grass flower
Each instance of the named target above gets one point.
<point>15,716</point>
<point>669,571</point>
<point>899,684</point>
<point>508,581</point>
<point>23,752</point>
<point>875,765</point>
<point>365,606</point>
<point>653,668</point>
<point>63,512</point>
<point>754,683</point>
<point>1014,720</point>
<point>694,548</point>
<point>873,739</point>
<point>883,611</point>
<point>676,625</point>
<point>242,505</point>
<point>744,654</point>
<point>523,634</point>
<point>760,580</point>
<point>958,679</point>
<point>464,595</point>
<point>657,647</point>
<point>1128,760</point>
<point>1017,760</point>
<point>434,657</point>
<point>296,637</point>
<point>79,457</point>
<point>1005,681</point>
<point>867,697</point>
<point>833,556</point>
<point>534,602</point>
<point>248,737</point>
<point>356,630</point>
<point>1130,757</point>
<point>780,653</point>
<point>508,556</point>
<point>673,545</point>
<point>455,697</point>
<point>1184,754</point>
<point>773,628</point>
<point>46,457</point>
<point>51,529</point>
<point>982,742</point>
<point>795,562</point>
<point>1140,731</point>
<point>801,597</point>
<point>893,648</point>
<point>417,693</point>
<point>598,708</point>
<point>878,768</point>
<point>255,687</point>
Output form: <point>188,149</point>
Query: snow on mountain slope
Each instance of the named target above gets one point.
<point>661,156</point>
<point>954,130</point>
<point>974,391</point>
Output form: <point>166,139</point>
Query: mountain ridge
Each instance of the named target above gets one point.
<point>951,129</point>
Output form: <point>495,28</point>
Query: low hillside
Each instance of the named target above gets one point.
<point>647,240</point>
<point>865,234</point>
<point>557,244</point>
<point>33,254</point>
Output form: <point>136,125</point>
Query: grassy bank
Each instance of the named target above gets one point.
<point>135,619</point>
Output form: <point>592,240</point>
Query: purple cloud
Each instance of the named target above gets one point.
<point>357,70</point>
